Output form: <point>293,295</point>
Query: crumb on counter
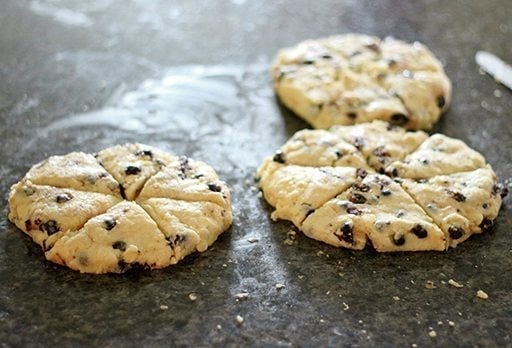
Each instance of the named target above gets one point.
<point>455,283</point>
<point>242,295</point>
<point>429,284</point>
<point>482,295</point>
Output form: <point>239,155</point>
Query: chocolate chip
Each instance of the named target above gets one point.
<point>399,241</point>
<point>360,172</point>
<point>361,187</point>
<point>63,197</point>
<point>459,197</point>
<point>359,142</point>
<point>394,172</point>
<point>119,245</point>
<point>326,56</point>
<point>308,61</point>
<point>147,153</point>
<point>485,205</point>
<point>392,63</point>
<point>383,181</point>
<point>279,157</point>
<point>419,231</point>
<point>184,165</point>
<point>345,233</point>
<point>50,227</point>
<point>357,198</point>
<point>385,192</point>
<point>28,225</point>
<point>381,151</point>
<point>499,189</point>
<point>109,223</point>
<point>441,101</point>
<point>338,154</point>
<point>455,232</point>
<point>352,115</point>
<point>103,175</point>
<point>353,210</point>
<point>400,213</point>
<point>214,187</point>
<point>399,119</point>
<point>134,267</point>
<point>177,239</point>
<point>486,224</point>
<point>132,170</point>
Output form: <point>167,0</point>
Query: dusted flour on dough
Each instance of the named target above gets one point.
<point>348,79</point>
<point>128,207</point>
<point>413,192</point>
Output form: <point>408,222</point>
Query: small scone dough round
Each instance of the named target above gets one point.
<point>128,207</point>
<point>380,185</point>
<point>348,79</point>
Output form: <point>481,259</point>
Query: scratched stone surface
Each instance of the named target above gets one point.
<point>192,78</point>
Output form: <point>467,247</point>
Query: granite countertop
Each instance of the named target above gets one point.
<point>192,77</point>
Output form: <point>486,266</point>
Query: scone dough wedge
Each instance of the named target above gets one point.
<point>348,79</point>
<point>412,192</point>
<point>122,238</point>
<point>128,207</point>
<point>42,211</point>
<point>461,204</point>
<point>375,210</point>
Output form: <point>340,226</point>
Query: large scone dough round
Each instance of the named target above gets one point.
<point>380,185</point>
<point>129,206</point>
<point>348,79</point>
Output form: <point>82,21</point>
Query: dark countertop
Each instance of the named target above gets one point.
<point>192,78</point>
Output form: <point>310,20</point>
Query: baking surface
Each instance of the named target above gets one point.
<point>193,79</point>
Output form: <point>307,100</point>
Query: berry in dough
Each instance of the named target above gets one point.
<point>348,79</point>
<point>121,209</point>
<point>414,192</point>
